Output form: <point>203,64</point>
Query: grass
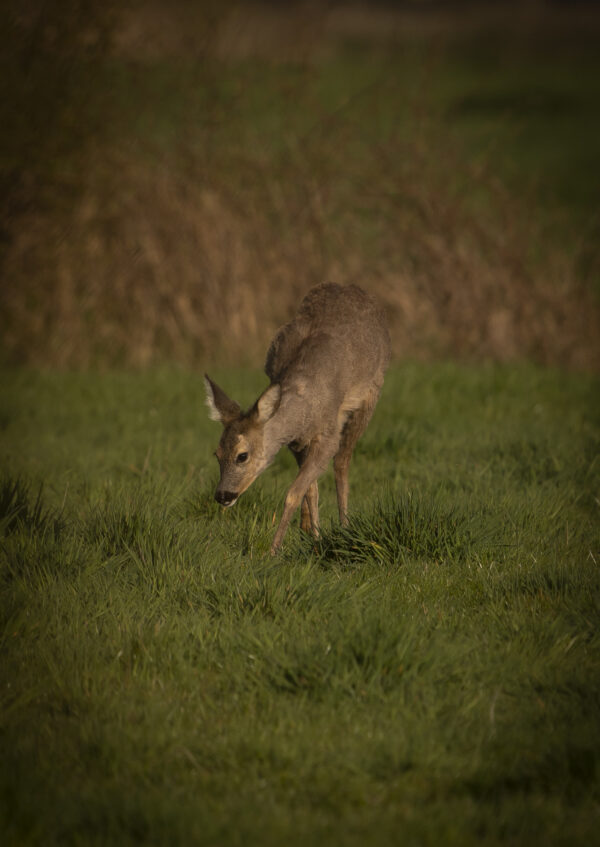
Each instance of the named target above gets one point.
<point>429,675</point>
<point>522,100</point>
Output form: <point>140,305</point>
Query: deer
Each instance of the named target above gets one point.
<point>326,369</point>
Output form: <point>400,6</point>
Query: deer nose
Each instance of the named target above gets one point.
<point>225,498</point>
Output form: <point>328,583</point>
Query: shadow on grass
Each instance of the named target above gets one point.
<point>21,511</point>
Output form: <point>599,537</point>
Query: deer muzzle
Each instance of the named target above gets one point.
<point>226,498</point>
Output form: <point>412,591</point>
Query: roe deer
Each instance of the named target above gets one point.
<point>326,368</point>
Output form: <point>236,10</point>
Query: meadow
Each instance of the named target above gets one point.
<point>430,675</point>
<point>174,178</point>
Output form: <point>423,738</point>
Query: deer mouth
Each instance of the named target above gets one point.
<point>226,498</point>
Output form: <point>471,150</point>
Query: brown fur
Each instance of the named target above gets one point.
<point>326,368</point>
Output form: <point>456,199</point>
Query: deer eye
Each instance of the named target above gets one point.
<point>241,457</point>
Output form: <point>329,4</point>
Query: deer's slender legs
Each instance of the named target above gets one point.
<point>311,501</point>
<point>314,463</point>
<point>309,510</point>
<point>309,515</point>
<point>355,425</point>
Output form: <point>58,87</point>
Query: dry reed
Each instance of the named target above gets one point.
<point>179,261</point>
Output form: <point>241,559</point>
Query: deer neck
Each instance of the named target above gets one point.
<point>290,424</point>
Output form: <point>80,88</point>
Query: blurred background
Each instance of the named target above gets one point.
<point>175,175</point>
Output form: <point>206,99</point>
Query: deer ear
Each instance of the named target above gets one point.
<point>220,407</point>
<point>267,403</point>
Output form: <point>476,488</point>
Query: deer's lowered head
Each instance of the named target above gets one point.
<point>243,452</point>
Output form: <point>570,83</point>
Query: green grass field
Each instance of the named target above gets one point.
<point>429,676</point>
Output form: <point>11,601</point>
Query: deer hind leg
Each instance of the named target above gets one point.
<point>309,509</point>
<point>355,425</point>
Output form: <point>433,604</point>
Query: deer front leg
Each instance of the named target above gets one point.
<point>309,517</point>
<point>292,501</point>
<point>304,486</point>
<point>309,521</point>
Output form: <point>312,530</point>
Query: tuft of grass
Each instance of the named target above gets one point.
<point>401,527</point>
<point>18,512</point>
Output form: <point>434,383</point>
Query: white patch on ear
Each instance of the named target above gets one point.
<point>220,407</point>
<point>267,403</point>
<point>213,412</point>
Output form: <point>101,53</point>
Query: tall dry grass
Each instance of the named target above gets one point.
<point>199,255</point>
<point>153,264</point>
